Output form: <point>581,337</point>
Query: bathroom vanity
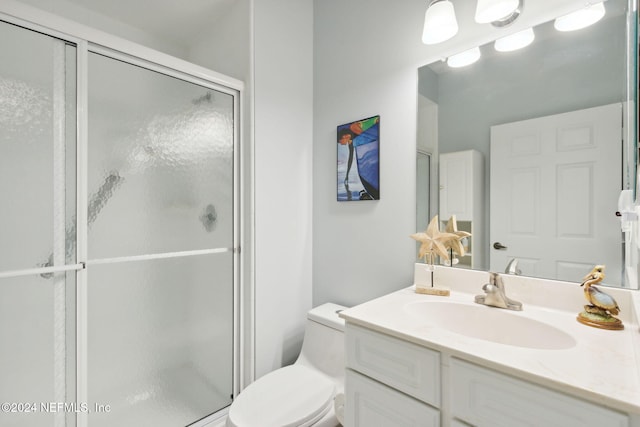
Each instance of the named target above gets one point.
<point>422,360</point>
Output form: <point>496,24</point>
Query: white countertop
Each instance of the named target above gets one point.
<point>603,366</point>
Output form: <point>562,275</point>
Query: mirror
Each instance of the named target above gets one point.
<point>530,149</point>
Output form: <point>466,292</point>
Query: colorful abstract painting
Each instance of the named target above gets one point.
<point>359,160</point>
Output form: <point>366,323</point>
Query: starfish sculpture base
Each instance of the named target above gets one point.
<point>442,292</point>
<point>431,288</point>
<point>598,318</point>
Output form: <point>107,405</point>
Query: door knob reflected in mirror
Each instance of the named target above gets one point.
<point>498,245</point>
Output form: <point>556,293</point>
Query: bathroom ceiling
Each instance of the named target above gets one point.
<point>180,21</point>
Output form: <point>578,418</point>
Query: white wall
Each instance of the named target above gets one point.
<point>283,84</point>
<point>363,67</point>
<point>366,57</point>
<point>226,45</point>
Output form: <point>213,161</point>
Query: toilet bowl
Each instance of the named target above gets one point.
<point>302,394</point>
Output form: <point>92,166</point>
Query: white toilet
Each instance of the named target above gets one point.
<point>301,394</point>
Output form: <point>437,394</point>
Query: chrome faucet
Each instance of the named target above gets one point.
<point>495,295</point>
<point>512,267</point>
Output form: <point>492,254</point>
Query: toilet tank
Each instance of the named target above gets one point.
<point>327,315</point>
<point>323,345</point>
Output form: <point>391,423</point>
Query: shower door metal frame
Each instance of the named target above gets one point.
<point>88,40</point>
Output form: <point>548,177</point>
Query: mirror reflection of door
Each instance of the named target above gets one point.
<point>541,170</point>
<point>423,189</point>
<point>557,73</point>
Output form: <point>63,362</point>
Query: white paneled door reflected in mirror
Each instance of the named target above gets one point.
<point>555,124</point>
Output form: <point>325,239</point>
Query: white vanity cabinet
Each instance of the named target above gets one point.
<point>462,194</point>
<point>391,382</point>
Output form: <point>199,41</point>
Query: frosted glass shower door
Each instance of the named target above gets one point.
<point>37,227</point>
<point>160,270</point>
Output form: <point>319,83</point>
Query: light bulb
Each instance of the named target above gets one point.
<point>581,18</point>
<point>464,58</point>
<point>515,41</point>
<point>439,23</point>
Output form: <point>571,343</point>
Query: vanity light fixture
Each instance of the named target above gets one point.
<point>465,58</point>
<point>581,18</point>
<point>440,22</point>
<point>495,10</point>
<point>515,41</point>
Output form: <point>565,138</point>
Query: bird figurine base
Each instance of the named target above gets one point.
<point>599,320</point>
<point>435,290</point>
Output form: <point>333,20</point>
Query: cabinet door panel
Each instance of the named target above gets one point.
<point>487,398</point>
<point>371,404</point>
<point>408,367</point>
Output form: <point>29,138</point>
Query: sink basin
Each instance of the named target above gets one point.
<point>490,324</point>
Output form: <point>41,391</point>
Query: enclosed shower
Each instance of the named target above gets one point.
<point>118,236</point>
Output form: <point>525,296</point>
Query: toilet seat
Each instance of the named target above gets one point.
<point>293,396</point>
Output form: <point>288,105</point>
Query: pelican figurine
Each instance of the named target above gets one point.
<point>597,269</point>
<point>602,306</point>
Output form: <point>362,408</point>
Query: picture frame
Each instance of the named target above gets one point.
<point>358,160</point>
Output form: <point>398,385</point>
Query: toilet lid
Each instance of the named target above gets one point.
<point>286,397</point>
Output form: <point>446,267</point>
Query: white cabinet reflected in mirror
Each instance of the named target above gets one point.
<point>553,125</point>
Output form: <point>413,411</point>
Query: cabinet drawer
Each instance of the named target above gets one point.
<point>405,366</point>
<point>369,403</point>
<point>484,397</point>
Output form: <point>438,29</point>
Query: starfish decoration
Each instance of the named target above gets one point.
<point>433,241</point>
<point>456,243</point>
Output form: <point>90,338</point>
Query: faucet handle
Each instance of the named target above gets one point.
<point>512,267</point>
<point>495,294</point>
